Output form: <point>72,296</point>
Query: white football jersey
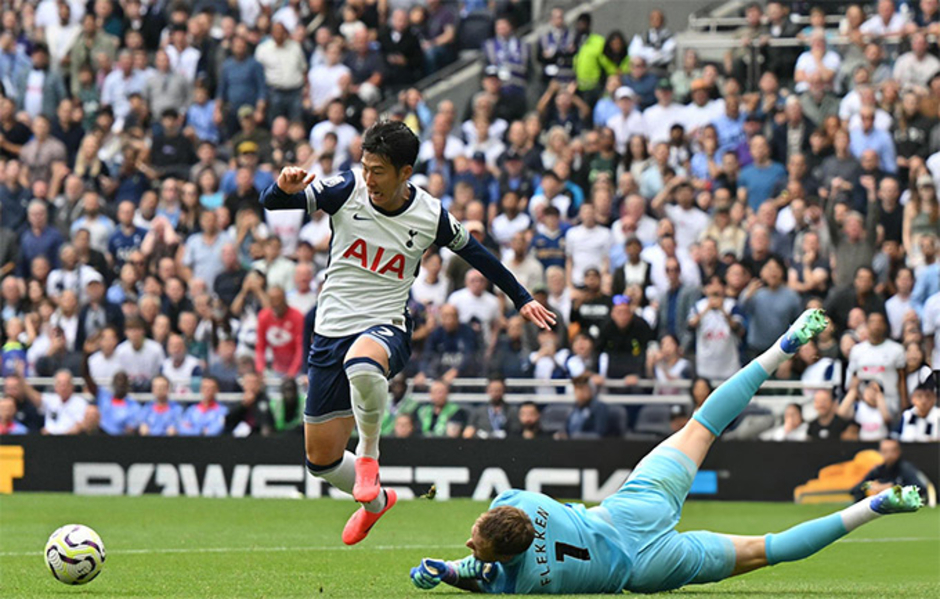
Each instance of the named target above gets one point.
<point>374,255</point>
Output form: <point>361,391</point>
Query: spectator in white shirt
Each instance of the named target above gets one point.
<point>587,246</point>
<point>104,363</point>
<point>914,69</point>
<point>688,219</point>
<point>139,357</point>
<point>865,404</point>
<point>181,369</point>
<point>303,297</point>
<point>664,249</point>
<point>184,59</point>
<point>483,107</point>
<point>818,59</point>
<point>335,123</point>
<point>820,372</point>
<point>659,118</point>
<point>72,276</point>
<point>511,221</point>
<point>324,79</point>
<point>921,423</point>
<point>917,372</point>
<point>317,233</point>
<point>719,325</point>
<point>278,270</point>
<point>630,120</point>
<point>794,428</point>
<point>523,265</point>
<point>634,222</point>
<point>477,307</point>
<point>430,287</point>
<point>886,22</point>
<point>559,294</point>
<point>899,306</point>
<point>61,33</point>
<point>485,143</point>
<point>453,146</point>
<point>119,85</point>
<point>65,410</point>
<point>285,69</point>
<point>702,110</point>
<point>882,360</point>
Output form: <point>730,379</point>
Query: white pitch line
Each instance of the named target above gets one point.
<point>375,548</point>
<point>242,549</point>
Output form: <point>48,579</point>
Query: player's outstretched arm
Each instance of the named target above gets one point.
<point>288,192</point>
<point>465,574</point>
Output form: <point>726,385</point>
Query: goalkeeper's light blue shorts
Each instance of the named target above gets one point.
<point>646,509</point>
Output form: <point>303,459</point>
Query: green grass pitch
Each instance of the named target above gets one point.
<point>191,547</point>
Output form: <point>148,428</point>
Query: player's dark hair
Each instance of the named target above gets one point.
<point>508,528</point>
<point>392,140</point>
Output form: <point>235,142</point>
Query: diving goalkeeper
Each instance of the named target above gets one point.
<point>530,543</point>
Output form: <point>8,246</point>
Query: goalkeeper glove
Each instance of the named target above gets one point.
<point>431,572</point>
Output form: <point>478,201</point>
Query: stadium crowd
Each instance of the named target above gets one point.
<point>676,214</point>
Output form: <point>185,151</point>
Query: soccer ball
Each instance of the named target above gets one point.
<point>75,554</point>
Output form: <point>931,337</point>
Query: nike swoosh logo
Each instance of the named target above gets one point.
<point>357,217</point>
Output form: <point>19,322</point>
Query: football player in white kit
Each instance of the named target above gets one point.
<point>381,226</point>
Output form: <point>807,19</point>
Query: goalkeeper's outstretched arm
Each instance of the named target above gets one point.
<point>465,574</point>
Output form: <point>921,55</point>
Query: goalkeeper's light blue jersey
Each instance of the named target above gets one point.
<point>574,551</point>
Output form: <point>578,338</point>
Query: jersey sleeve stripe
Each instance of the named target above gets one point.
<point>311,199</point>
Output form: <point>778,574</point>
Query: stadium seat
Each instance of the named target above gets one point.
<point>474,29</point>
<point>554,417</point>
<point>618,420</point>
<point>653,419</point>
<point>834,483</point>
